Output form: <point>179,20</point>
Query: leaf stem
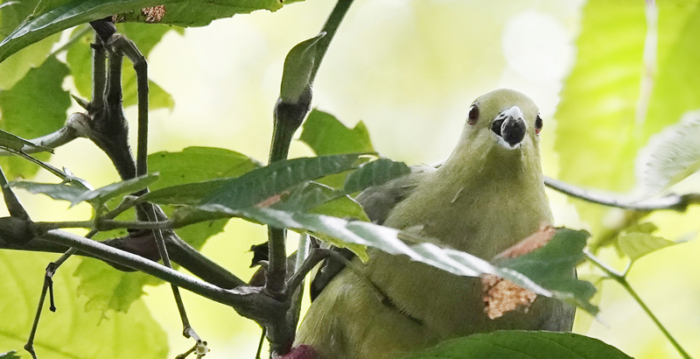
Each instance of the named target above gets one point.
<point>620,279</point>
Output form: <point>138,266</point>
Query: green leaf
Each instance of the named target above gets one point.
<point>10,141</point>
<point>110,289</point>
<point>343,207</point>
<point>552,267</point>
<point>328,136</point>
<point>33,107</point>
<point>259,185</point>
<point>374,173</point>
<point>60,191</point>
<point>636,245</point>
<point>69,192</point>
<point>9,355</point>
<point>14,69</point>
<point>390,240</point>
<point>61,15</point>
<point>107,288</point>
<point>516,344</point>
<point>70,332</point>
<point>600,99</point>
<point>307,196</point>
<point>319,199</point>
<point>296,77</point>
<point>104,194</point>
<point>195,164</point>
<point>671,155</point>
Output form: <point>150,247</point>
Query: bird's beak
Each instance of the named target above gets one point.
<point>509,127</point>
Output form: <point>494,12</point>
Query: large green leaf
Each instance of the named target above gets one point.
<point>109,289</point>
<point>12,70</point>
<point>567,244</point>
<point>328,136</point>
<point>71,332</point>
<point>257,186</point>
<point>600,122</point>
<point>194,164</point>
<point>33,107</point>
<point>55,16</point>
<point>515,344</point>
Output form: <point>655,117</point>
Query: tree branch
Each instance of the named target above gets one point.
<point>670,202</point>
<point>250,302</point>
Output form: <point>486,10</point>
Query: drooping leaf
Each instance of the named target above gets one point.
<point>60,191</point>
<point>298,65</point>
<point>600,108</point>
<point>33,107</point>
<point>60,15</point>
<point>104,194</point>
<point>97,197</point>
<point>671,155</point>
<point>636,245</point>
<point>390,240</point>
<point>516,344</point>
<point>328,136</point>
<point>71,332</point>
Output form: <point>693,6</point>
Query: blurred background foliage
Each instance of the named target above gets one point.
<point>409,70</point>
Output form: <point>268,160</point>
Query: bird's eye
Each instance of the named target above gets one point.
<point>473,115</point>
<point>538,124</point>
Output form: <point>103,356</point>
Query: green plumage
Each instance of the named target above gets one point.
<point>486,197</point>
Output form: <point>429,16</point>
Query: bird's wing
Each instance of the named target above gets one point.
<point>377,202</point>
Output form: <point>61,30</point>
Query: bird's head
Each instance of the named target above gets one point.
<point>503,123</point>
<point>502,133</point>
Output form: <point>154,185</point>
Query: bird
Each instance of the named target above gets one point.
<point>487,196</point>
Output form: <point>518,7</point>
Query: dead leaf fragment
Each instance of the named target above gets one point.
<point>154,14</point>
<point>502,296</point>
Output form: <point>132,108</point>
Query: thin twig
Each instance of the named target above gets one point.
<point>622,280</point>
<point>316,256</point>
<point>670,202</point>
